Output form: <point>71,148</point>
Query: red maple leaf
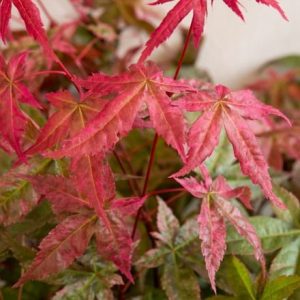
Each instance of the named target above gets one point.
<point>12,91</point>
<point>181,10</point>
<point>215,210</point>
<point>69,239</point>
<point>142,84</point>
<point>70,117</point>
<point>230,110</point>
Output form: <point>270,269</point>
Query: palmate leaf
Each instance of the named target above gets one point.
<point>91,278</point>
<point>199,8</point>
<point>90,173</point>
<point>66,121</point>
<point>178,279</point>
<point>215,209</point>
<point>107,221</point>
<point>61,247</point>
<point>141,84</point>
<point>230,110</point>
<point>12,91</point>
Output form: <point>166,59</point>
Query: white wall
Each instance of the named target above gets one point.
<point>234,49</point>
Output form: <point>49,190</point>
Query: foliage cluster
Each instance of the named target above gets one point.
<point>121,182</point>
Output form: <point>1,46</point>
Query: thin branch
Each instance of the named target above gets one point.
<point>154,143</point>
<point>130,181</point>
<point>149,168</point>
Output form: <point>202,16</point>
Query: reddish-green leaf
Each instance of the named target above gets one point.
<point>61,247</point>
<point>232,110</point>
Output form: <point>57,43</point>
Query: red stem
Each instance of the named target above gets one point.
<point>67,72</point>
<point>85,50</point>
<point>149,168</point>
<point>180,62</point>
<point>165,191</point>
<point>151,160</point>
<point>130,182</point>
<point>154,143</point>
<point>48,73</point>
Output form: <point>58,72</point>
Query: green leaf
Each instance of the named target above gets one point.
<point>179,282</point>
<point>292,213</point>
<point>153,258</point>
<point>280,288</point>
<point>237,278</point>
<point>236,178</point>
<point>274,234</point>
<point>188,233</point>
<point>90,288</point>
<point>35,220</point>
<point>286,261</point>
<point>290,61</point>
<point>92,279</point>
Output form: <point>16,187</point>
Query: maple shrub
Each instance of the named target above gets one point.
<point>119,181</point>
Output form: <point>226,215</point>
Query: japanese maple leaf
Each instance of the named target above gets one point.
<point>181,10</point>
<point>69,239</point>
<point>13,91</point>
<point>230,110</point>
<point>69,118</point>
<point>141,84</point>
<point>31,17</point>
<point>215,210</point>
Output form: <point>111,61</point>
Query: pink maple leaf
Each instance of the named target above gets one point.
<point>215,210</point>
<point>91,208</point>
<point>230,110</point>
<point>141,84</point>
